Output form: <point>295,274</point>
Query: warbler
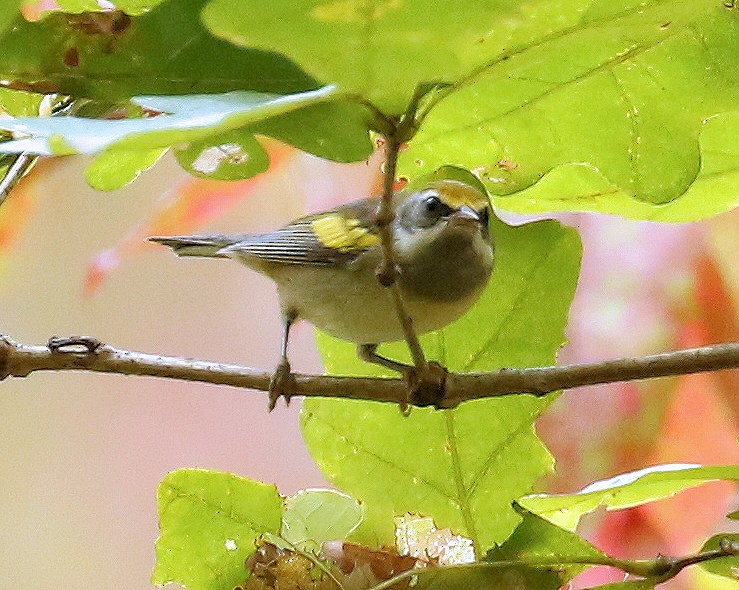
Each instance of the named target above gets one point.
<point>325,265</point>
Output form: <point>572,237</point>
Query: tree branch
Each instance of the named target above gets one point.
<point>656,570</point>
<point>664,568</point>
<point>87,354</point>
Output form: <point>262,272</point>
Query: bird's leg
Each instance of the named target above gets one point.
<point>282,383</point>
<point>368,353</point>
<point>425,388</point>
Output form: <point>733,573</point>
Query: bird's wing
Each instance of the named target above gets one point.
<point>339,235</point>
<point>200,245</point>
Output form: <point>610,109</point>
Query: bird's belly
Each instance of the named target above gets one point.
<point>354,306</point>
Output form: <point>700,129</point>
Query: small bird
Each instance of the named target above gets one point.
<point>325,266</point>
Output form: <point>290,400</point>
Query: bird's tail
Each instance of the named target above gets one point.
<point>207,245</point>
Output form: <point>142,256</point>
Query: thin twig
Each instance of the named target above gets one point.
<point>656,570</point>
<point>20,360</point>
<point>22,164</point>
<point>673,566</point>
<point>387,274</point>
<point>25,161</point>
<point>315,561</point>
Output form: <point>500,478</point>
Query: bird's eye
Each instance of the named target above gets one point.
<point>435,205</point>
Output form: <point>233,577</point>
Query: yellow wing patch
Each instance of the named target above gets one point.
<point>456,194</point>
<point>344,235</point>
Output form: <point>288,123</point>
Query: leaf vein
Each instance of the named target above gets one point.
<point>634,135</point>
<point>495,455</point>
<point>383,460</point>
<point>217,508</point>
<point>532,101</point>
<point>462,493</point>
<point>513,308</point>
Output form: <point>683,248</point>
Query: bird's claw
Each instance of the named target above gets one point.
<point>282,384</point>
<point>426,387</point>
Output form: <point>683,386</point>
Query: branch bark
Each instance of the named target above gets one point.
<point>87,354</point>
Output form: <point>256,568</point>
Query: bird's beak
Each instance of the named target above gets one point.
<point>466,214</point>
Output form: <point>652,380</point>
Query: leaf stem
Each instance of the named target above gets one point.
<point>315,561</point>
<point>379,121</point>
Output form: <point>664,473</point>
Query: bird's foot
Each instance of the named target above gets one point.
<point>282,384</point>
<point>426,386</point>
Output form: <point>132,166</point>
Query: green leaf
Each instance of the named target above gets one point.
<point>622,89</point>
<point>627,585</point>
<point>464,466</point>
<point>209,522</point>
<point>233,155</point>
<point>203,121</point>
<point>115,168</point>
<point>314,516</point>
<point>625,490</point>
<point>336,130</point>
<point>19,103</point>
<point>164,51</point>
<point>578,187</point>
<point>9,14</point>
<point>184,118</point>
<point>57,145</point>
<point>723,566</point>
<point>537,556</point>
<point>539,540</point>
<point>380,50</point>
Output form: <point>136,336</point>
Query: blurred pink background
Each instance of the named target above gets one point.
<point>82,454</point>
